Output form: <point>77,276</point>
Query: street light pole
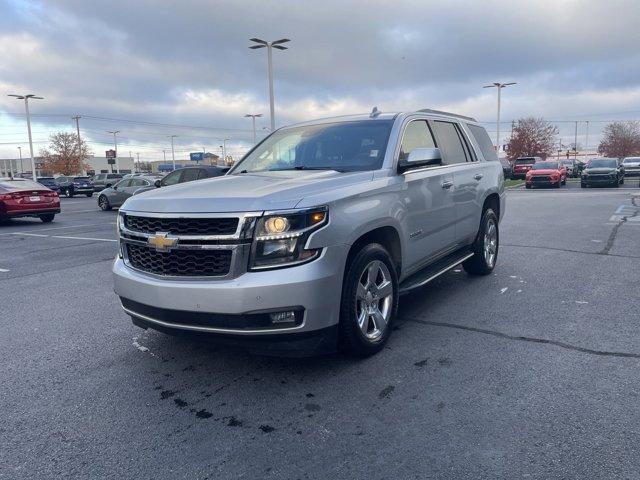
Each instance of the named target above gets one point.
<point>26,108</point>
<point>586,144</point>
<point>115,147</point>
<point>253,118</point>
<point>21,166</point>
<point>77,119</point>
<point>277,44</point>
<point>173,153</point>
<point>499,86</point>
<point>224,151</point>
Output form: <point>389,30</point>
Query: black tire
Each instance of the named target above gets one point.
<point>527,186</point>
<point>68,193</point>
<point>89,195</point>
<point>47,217</point>
<point>564,182</point>
<point>103,203</point>
<point>622,181</point>
<point>352,338</point>
<point>559,184</point>
<point>481,264</point>
<point>616,184</point>
<point>583,185</point>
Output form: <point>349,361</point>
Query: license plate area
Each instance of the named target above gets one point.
<point>34,198</point>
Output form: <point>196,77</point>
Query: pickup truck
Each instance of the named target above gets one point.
<point>307,243</point>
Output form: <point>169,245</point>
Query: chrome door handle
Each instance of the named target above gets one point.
<point>478,176</point>
<point>447,184</point>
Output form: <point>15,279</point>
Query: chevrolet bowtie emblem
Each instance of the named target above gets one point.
<point>162,242</point>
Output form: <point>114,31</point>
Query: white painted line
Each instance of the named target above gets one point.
<point>61,228</point>
<point>3,270</point>
<point>81,211</point>
<point>86,238</point>
<point>502,290</point>
<point>29,234</point>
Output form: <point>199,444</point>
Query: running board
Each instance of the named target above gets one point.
<point>434,270</point>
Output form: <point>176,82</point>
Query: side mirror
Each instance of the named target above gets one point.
<point>115,187</point>
<point>421,157</point>
<point>157,183</point>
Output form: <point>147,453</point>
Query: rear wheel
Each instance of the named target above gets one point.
<point>485,247</point>
<point>103,203</point>
<point>583,185</point>
<point>68,193</point>
<point>47,217</point>
<point>369,301</point>
<point>90,194</point>
<point>527,186</point>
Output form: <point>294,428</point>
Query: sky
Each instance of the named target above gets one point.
<point>156,68</point>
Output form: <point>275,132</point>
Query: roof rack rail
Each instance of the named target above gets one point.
<point>440,112</point>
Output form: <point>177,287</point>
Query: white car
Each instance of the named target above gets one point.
<point>631,166</point>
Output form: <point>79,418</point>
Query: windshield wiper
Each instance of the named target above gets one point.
<point>305,167</point>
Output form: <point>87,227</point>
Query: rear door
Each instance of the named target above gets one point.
<point>120,192</point>
<point>189,175</point>
<point>428,200</point>
<point>467,176</point>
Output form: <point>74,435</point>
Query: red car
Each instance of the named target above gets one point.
<point>20,197</point>
<point>522,165</point>
<point>546,174</point>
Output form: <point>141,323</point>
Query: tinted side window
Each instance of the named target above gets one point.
<point>416,135</point>
<point>203,173</point>
<point>450,143</point>
<point>485,143</point>
<point>172,178</point>
<point>189,175</point>
<point>124,183</point>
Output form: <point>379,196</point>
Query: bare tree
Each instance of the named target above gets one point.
<point>64,155</point>
<point>532,137</point>
<point>620,139</point>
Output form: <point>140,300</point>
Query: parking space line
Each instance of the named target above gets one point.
<point>3,270</point>
<point>86,238</point>
<point>61,228</point>
<point>64,237</point>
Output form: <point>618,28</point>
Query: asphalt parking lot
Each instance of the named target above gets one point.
<point>531,372</point>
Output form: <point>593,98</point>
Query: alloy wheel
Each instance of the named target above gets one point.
<point>374,297</point>
<point>490,242</point>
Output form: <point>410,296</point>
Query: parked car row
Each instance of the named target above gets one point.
<point>603,171</point>
<point>115,196</point>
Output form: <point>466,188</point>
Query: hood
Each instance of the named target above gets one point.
<point>249,192</point>
<point>546,171</point>
<point>600,170</point>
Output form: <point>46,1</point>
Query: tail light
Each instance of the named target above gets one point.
<point>10,196</point>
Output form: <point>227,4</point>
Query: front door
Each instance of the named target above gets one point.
<point>428,201</point>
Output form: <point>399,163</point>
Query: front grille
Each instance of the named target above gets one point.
<point>540,179</point>
<point>180,263</point>
<point>182,226</point>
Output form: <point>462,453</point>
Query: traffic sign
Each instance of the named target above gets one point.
<point>110,153</point>
<point>196,156</point>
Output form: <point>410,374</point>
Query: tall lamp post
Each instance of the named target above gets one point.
<point>277,44</point>
<point>499,86</point>
<point>173,153</point>
<point>26,108</point>
<point>115,147</point>
<point>21,166</point>
<point>253,117</point>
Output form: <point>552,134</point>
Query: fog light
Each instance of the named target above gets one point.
<point>283,317</point>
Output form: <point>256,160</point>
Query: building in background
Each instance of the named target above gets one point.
<point>100,165</point>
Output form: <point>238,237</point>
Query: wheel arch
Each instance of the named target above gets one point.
<point>387,236</point>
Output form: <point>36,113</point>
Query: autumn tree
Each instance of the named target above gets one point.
<point>620,139</point>
<point>66,154</point>
<point>532,137</point>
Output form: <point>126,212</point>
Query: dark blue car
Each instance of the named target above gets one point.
<point>49,182</point>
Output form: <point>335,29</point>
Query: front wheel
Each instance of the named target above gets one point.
<point>103,203</point>
<point>89,195</point>
<point>68,193</point>
<point>369,301</point>
<point>485,247</point>
<point>583,185</point>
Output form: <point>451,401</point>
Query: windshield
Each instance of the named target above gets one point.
<point>347,146</point>
<point>631,160</point>
<point>602,163</point>
<point>525,161</point>
<point>545,166</point>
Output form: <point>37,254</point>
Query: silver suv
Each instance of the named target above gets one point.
<point>309,240</point>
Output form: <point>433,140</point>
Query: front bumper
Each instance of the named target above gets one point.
<point>316,287</point>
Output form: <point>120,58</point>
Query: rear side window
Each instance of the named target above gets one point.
<point>484,142</point>
<point>190,175</point>
<point>450,143</point>
<point>416,135</point>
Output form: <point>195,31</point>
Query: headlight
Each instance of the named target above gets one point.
<point>280,240</point>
